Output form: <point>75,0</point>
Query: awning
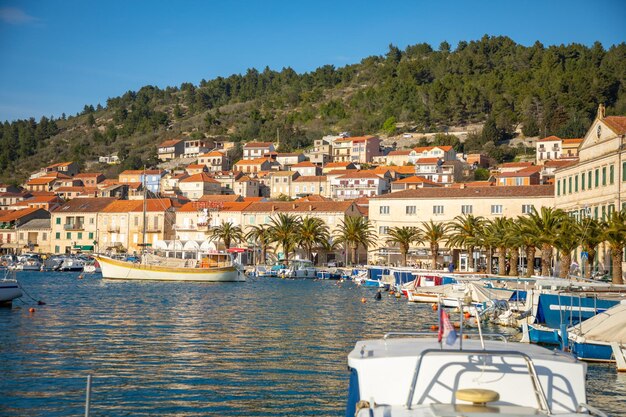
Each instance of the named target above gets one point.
<point>83,247</point>
<point>236,250</point>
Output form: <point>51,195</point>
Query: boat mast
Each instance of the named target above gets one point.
<point>143,239</point>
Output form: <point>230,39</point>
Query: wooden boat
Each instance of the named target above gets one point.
<point>216,267</point>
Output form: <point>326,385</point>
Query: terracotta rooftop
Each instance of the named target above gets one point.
<point>426,161</point>
<point>257,145</point>
<point>297,207</point>
<point>11,215</point>
<point>59,165</point>
<point>303,164</point>
<point>573,141</point>
<point>312,198</point>
<point>550,139</point>
<point>85,205</point>
<point>221,197</point>
<point>560,163</point>
<point>516,164</point>
<point>141,172</point>
<point>400,152</point>
<point>415,180</point>
<point>337,164</point>
<point>312,178</point>
<point>41,181</point>
<point>361,174</point>
<point>356,139</point>
<point>473,192</point>
<point>88,175</point>
<point>201,177</point>
<point>616,123</point>
<point>524,172</point>
<point>421,149</point>
<point>196,166</point>
<point>212,153</point>
<point>170,142</point>
<point>133,206</point>
<point>256,161</point>
<point>473,184</point>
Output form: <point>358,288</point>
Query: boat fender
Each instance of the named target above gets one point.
<point>31,310</point>
<point>435,307</point>
<point>363,300</point>
<point>434,327</point>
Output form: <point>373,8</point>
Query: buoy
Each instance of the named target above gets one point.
<point>435,307</point>
<point>434,327</point>
<point>466,336</point>
<point>31,310</point>
<point>80,276</point>
<point>467,315</point>
<point>363,300</point>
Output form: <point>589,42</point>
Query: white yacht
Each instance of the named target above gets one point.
<point>9,290</point>
<point>412,374</point>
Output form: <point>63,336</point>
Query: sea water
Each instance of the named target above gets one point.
<point>266,347</point>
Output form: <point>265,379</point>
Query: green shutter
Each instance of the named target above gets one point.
<point>58,220</point>
<point>611,174</point>
<point>90,235</point>
<point>57,235</point>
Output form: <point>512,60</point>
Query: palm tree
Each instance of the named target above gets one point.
<point>313,232</point>
<point>260,235</point>
<point>567,240</point>
<point>514,242</point>
<point>353,232</point>
<point>403,237</point>
<point>464,233</point>
<point>615,236</point>
<point>227,233</point>
<point>546,222</point>
<point>590,239</point>
<point>284,229</point>
<point>527,234</point>
<point>433,233</point>
<point>495,236</point>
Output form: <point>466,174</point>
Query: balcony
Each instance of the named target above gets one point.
<point>151,229</point>
<point>74,226</point>
<point>113,228</point>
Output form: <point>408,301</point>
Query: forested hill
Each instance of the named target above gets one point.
<point>546,90</point>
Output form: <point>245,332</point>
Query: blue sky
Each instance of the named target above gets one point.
<point>58,56</point>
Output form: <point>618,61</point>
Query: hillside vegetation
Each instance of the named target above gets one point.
<point>545,90</point>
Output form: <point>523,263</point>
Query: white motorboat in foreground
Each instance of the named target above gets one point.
<point>418,376</point>
<point>9,290</point>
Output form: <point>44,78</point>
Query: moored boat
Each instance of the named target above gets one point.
<point>214,267</point>
<point>9,290</point>
<point>419,376</point>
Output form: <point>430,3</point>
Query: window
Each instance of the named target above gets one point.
<point>466,209</point>
<point>558,188</point>
<point>603,176</point>
<point>410,210</point>
<point>92,220</point>
<point>519,181</point>
<point>496,209</point>
<point>576,184</point>
<point>251,220</point>
<point>90,235</point>
<point>597,177</point>
<point>603,212</point>
<point>569,189</point>
<point>44,236</point>
<point>57,249</point>
<point>383,230</point>
<point>582,182</point>
<point>527,208</point>
<point>611,174</point>
<point>80,235</point>
<point>21,235</point>
<point>623,171</point>
<point>136,220</point>
<point>437,209</point>
<point>589,180</point>
<point>384,210</point>
<point>564,186</point>
<point>595,212</point>
<point>68,235</point>
<point>57,235</point>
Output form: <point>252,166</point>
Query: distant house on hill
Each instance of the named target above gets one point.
<point>170,149</point>
<point>256,150</point>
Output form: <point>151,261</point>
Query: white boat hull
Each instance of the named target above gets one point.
<point>114,269</point>
<point>9,290</point>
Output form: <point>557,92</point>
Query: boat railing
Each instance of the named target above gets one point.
<point>491,336</point>
<point>542,402</point>
<point>592,410</point>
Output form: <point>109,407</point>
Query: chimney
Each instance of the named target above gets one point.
<point>462,185</point>
<point>273,208</point>
<point>293,206</point>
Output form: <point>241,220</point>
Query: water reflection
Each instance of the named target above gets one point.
<point>261,348</point>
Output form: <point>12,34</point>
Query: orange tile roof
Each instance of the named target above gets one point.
<point>338,164</point>
<point>560,163</point>
<point>85,205</point>
<point>426,161</point>
<point>57,175</point>
<point>296,207</point>
<point>220,197</point>
<point>41,181</point>
<point>170,142</point>
<point>67,189</point>
<point>257,161</point>
<point>575,141</point>
<point>525,172</point>
<point>516,164</point>
<point>196,166</point>
<point>473,184</point>
<point>212,153</point>
<point>415,180</point>
<point>257,145</point>
<point>400,152</point>
<point>616,123</point>
<point>59,165</point>
<point>473,192</point>
<point>88,174</point>
<point>405,169</point>
<point>361,174</point>
<point>356,139</point>
<point>313,197</point>
<point>134,206</point>
<point>140,172</point>
<point>201,177</point>
<point>11,215</point>
<point>550,139</point>
<point>303,164</point>
<point>312,178</point>
<point>253,199</point>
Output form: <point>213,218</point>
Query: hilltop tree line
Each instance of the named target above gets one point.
<point>545,90</point>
